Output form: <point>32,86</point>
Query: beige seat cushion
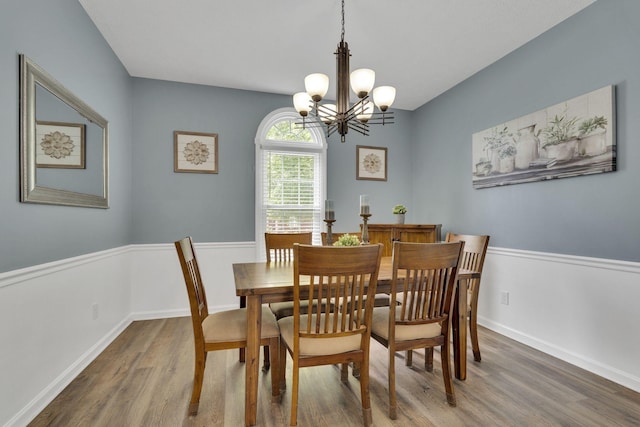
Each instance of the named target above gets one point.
<point>231,325</point>
<point>318,346</point>
<point>380,326</point>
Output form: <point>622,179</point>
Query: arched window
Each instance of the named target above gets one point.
<point>291,182</point>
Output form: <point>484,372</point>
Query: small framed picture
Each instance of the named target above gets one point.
<point>60,145</point>
<point>371,163</point>
<point>195,152</point>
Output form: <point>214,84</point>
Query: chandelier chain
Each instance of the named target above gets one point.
<point>342,33</point>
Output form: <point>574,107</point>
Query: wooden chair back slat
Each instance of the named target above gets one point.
<point>475,249</point>
<point>193,281</point>
<point>335,274</point>
<point>279,246</point>
<point>429,274</point>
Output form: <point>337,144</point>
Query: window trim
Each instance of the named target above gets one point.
<point>319,145</point>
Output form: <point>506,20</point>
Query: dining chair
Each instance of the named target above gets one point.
<point>279,248</point>
<point>221,330</point>
<point>475,250</point>
<point>324,275</point>
<point>427,274</point>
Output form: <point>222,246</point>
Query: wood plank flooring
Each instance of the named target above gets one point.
<point>144,378</point>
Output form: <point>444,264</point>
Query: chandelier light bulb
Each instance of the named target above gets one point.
<point>316,85</point>
<point>384,96</point>
<point>362,81</point>
<point>327,113</point>
<point>302,103</point>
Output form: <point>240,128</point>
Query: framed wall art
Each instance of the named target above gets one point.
<point>371,163</point>
<point>60,145</point>
<point>195,152</point>
<point>573,138</point>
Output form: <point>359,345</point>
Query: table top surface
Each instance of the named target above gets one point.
<point>252,278</point>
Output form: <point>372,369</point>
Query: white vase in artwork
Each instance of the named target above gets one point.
<point>563,151</point>
<point>507,164</point>
<point>527,146</point>
<point>592,144</point>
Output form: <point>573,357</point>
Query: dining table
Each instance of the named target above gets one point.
<point>259,283</point>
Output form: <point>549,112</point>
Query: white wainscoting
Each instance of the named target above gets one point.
<point>581,310</point>
<point>57,317</point>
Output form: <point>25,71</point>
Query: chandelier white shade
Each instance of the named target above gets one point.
<point>384,96</point>
<point>343,116</point>
<point>362,81</point>
<point>302,103</point>
<point>316,85</point>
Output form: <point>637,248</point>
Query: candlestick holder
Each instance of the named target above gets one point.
<point>365,229</point>
<point>329,235</point>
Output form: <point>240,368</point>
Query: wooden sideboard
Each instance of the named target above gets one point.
<point>417,233</point>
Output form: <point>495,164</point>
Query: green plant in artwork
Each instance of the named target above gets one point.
<point>507,150</point>
<point>560,129</point>
<point>347,240</point>
<point>591,125</point>
<point>500,142</point>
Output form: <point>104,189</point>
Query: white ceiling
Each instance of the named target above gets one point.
<point>422,47</point>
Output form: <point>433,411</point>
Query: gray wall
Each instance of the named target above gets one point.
<point>60,37</point>
<point>595,216</point>
<point>221,207</point>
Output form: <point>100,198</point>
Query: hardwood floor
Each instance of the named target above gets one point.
<point>144,378</point>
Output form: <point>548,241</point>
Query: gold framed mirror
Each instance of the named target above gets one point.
<point>64,154</point>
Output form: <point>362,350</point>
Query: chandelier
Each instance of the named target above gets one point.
<point>341,116</point>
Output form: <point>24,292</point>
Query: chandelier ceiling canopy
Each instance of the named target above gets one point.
<point>341,116</point>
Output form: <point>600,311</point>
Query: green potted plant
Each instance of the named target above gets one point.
<point>399,211</point>
<point>561,140</point>
<point>347,240</point>
<point>592,136</point>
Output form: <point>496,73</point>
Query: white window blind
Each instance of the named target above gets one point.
<point>292,199</point>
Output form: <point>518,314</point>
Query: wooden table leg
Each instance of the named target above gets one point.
<point>243,304</point>
<point>459,326</point>
<point>252,353</point>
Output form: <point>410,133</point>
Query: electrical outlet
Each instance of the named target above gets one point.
<point>504,298</point>
<point>95,311</point>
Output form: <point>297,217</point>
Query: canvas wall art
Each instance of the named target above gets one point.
<point>572,138</point>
